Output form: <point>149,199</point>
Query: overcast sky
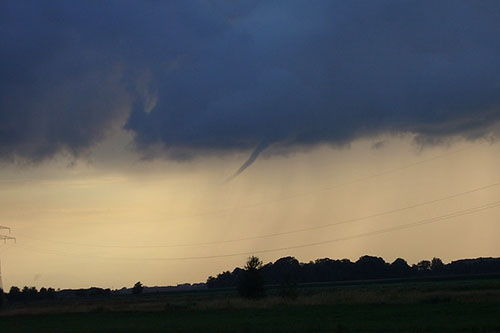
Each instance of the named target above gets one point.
<point>132,129</point>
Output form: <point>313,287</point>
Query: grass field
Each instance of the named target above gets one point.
<point>445,306</point>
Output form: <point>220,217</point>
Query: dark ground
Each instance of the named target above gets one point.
<point>453,306</point>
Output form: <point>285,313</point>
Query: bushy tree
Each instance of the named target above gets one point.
<point>371,267</point>
<point>29,293</point>
<point>251,283</point>
<point>437,265</point>
<point>399,268</point>
<point>14,294</point>
<point>424,266</point>
<point>138,288</point>
<point>46,293</point>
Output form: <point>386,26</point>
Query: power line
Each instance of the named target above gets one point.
<point>323,226</point>
<point>328,188</point>
<point>435,219</point>
<point>332,187</point>
<point>357,180</point>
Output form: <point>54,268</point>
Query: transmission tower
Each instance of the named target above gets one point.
<point>5,238</point>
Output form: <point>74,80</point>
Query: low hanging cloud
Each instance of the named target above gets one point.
<point>211,77</point>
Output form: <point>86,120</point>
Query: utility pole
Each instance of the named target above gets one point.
<point>5,238</point>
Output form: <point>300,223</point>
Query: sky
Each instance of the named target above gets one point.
<point>168,141</point>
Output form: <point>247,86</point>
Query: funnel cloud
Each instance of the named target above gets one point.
<point>209,77</point>
<point>251,159</point>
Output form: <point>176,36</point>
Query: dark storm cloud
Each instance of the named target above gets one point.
<point>205,77</point>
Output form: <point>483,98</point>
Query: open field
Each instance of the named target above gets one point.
<point>465,305</point>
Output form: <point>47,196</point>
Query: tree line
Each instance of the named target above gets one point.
<point>16,294</point>
<point>289,270</point>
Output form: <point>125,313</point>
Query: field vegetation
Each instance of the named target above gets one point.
<point>413,306</point>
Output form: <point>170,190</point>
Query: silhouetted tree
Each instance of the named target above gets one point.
<point>367,267</point>
<point>474,266</point>
<point>46,293</point>
<point>2,298</point>
<point>399,268</point>
<point>323,270</point>
<point>437,265</point>
<point>92,292</point>
<point>223,280</point>
<point>138,288</point>
<point>29,293</point>
<point>14,294</point>
<point>284,270</point>
<point>371,267</point>
<point>251,283</point>
<point>424,266</point>
<point>253,263</point>
<point>212,282</point>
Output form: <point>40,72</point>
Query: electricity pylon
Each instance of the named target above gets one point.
<point>5,238</point>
